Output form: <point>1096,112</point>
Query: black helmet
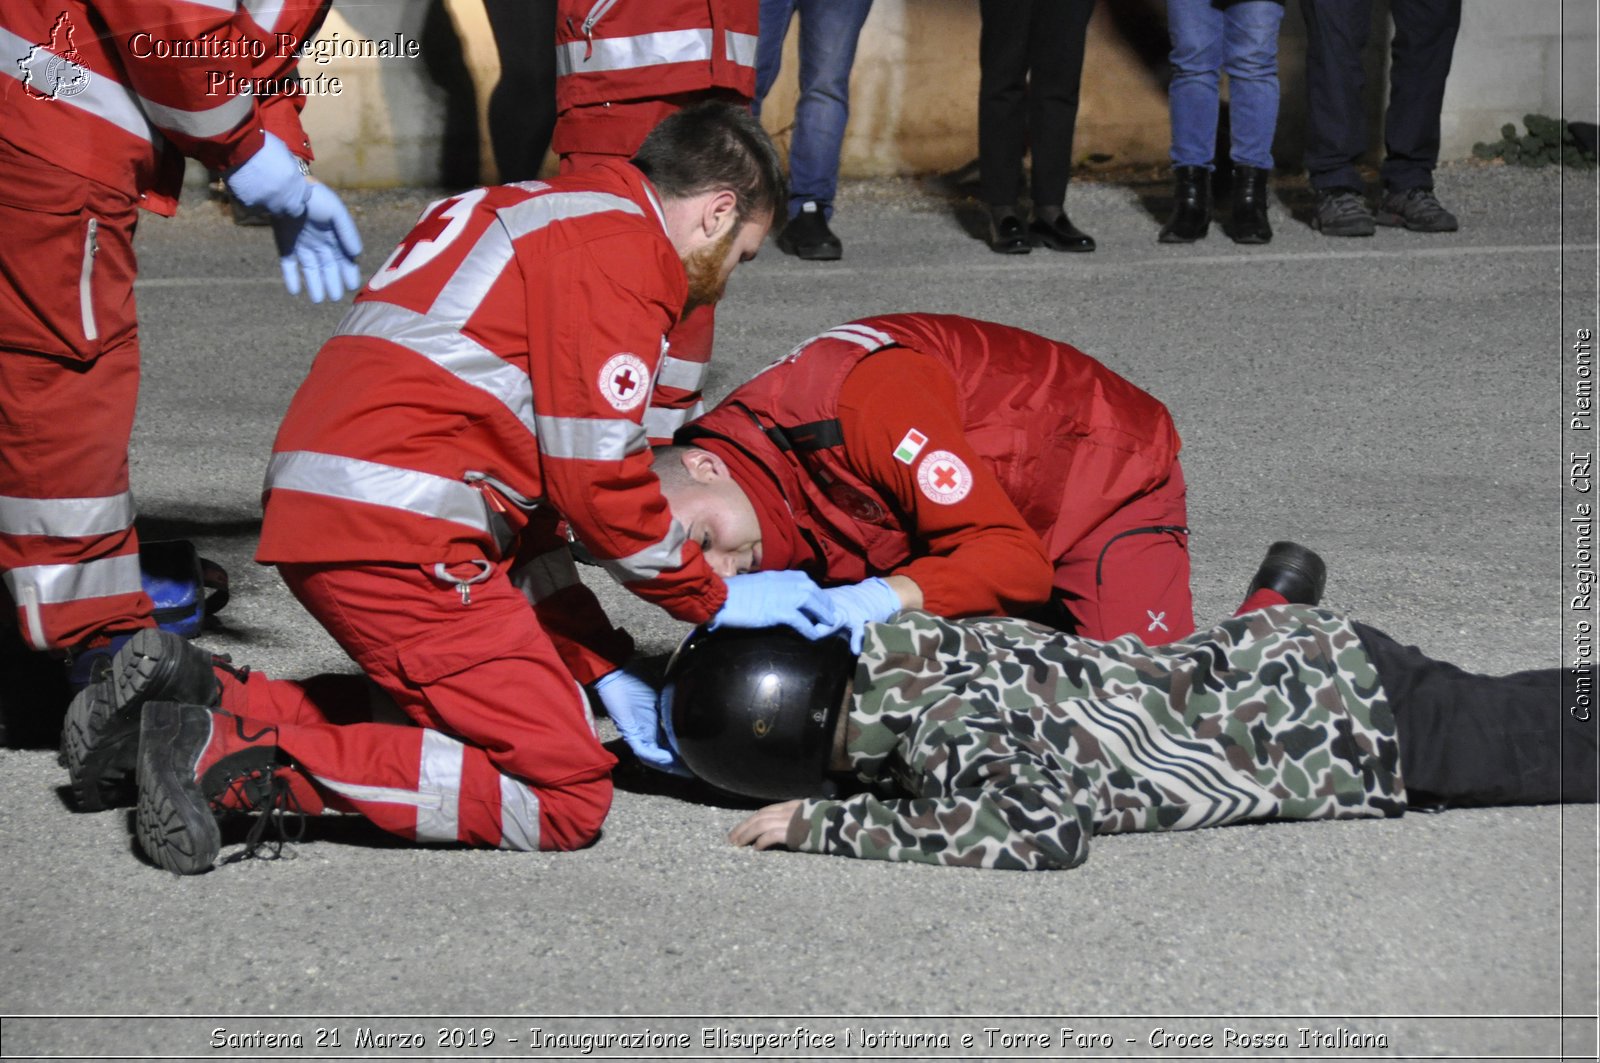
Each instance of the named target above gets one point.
<point>752,710</point>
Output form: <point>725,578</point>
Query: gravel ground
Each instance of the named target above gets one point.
<point>1395,402</point>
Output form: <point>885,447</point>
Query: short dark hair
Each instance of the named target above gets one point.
<point>714,145</point>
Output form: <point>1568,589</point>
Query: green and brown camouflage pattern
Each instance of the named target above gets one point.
<point>999,743</point>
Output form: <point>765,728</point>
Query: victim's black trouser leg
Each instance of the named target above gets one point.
<point>1470,739</point>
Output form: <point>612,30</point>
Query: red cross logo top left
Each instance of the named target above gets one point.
<point>624,381</point>
<point>944,478</point>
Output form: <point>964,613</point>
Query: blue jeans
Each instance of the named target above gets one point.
<point>1240,40</point>
<point>828,33</point>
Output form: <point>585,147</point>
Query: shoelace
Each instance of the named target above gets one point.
<point>280,805</point>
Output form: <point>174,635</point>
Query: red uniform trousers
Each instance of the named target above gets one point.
<point>69,383</point>
<point>1130,575</point>
<point>501,748</point>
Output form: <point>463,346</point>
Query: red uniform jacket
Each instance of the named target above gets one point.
<point>966,455</point>
<point>610,51</point>
<point>119,92</point>
<point>487,384</point>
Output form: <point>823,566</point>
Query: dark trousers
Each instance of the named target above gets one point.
<point>1467,740</point>
<point>522,108</point>
<point>1030,59</point>
<point>1336,128</point>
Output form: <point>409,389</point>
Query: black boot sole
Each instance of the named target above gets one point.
<point>100,738</point>
<point>174,822</point>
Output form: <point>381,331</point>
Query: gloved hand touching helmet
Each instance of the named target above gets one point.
<point>764,599</point>
<point>316,237</point>
<point>634,706</point>
<point>859,604</point>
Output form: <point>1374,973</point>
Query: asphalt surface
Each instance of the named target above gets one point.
<point>1395,402</point>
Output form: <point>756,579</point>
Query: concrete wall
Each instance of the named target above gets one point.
<point>914,90</point>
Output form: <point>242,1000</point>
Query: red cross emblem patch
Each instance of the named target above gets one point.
<point>624,381</point>
<point>944,478</point>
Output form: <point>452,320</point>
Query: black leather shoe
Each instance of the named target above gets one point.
<point>1294,571</point>
<point>1248,221</point>
<point>1007,235</point>
<point>807,236</point>
<point>1060,234</point>
<point>1191,213</point>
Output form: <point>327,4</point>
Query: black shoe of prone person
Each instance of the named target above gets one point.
<point>1292,570</point>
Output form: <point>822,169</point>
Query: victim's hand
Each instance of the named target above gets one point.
<point>767,828</point>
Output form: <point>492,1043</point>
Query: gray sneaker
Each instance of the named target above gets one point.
<point>1418,209</point>
<point>1341,212</point>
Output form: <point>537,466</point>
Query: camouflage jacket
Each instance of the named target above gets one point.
<point>998,743</point>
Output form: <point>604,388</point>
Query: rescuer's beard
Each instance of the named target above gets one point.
<point>704,267</point>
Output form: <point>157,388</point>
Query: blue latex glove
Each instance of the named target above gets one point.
<point>317,239</point>
<point>860,604</point>
<point>763,599</point>
<point>271,179</point>
<point>632,705</point>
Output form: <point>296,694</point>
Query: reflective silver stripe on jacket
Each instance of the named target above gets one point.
<point>446,346</point>
<point>264,12</point>
<point>58,584</point>
<point>355,480</point>
<point>661,422</point>
<point>211,122</point>
<point>519,815</point>
<point>105,97</point>
<point>650,562</point>
<point>100,95</point>
<point>860,335</point>
<point>466,289</point>
<point>680,373</point>
<point>66,518</point>
<point>632,53</point>
<point>589,439</point>
<point>540,577</point>
<point>741,47</point>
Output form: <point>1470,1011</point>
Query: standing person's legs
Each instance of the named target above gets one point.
<point>829,31</point>
<point>775,18</point>
<point>1469,740</point>
<point>1424,44</point>
<point>1055,37</point>
<point>1130,575</point>
<point>1336,134</point>
<point>1196,30</point>
<point>1251,63</point>
<point>69,382</point>
<point>1002,103</point>
<point>522,107</point>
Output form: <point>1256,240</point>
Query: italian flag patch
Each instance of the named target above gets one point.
<point>910,447</point>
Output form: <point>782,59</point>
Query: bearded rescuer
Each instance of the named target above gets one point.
<point>485,391</point>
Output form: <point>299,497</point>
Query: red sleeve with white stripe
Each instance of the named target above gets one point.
<point>194,101</point>
<point>280,113</point>
<point>596,321</point>
<point>681,378</point>
<point>900,417</point>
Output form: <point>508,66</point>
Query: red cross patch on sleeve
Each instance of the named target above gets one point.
<point>944,478</point>
<point>624,381</point>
